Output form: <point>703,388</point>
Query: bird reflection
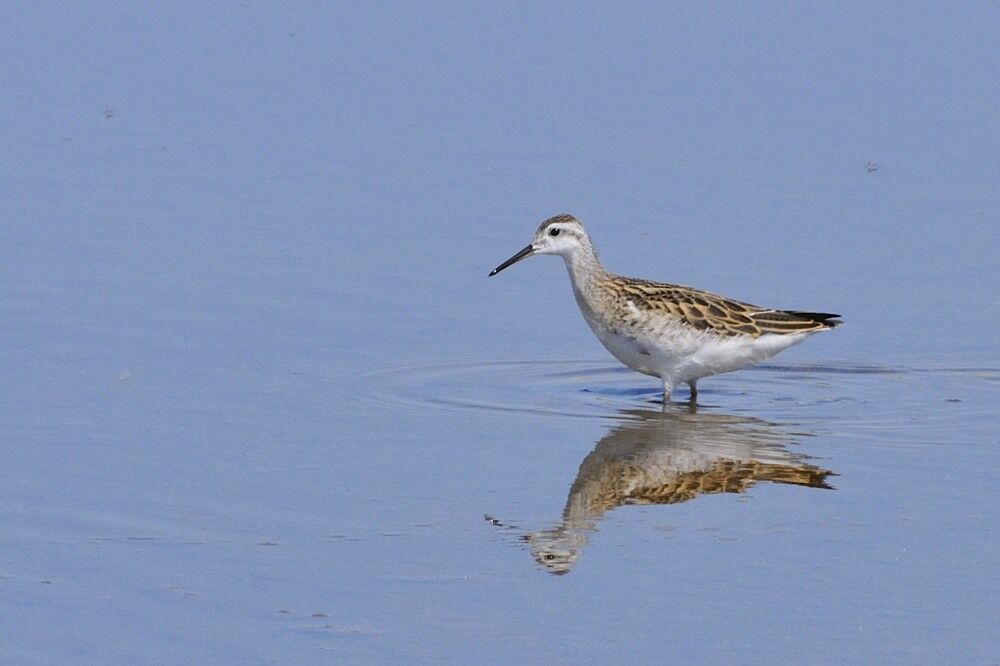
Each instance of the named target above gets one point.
<point>656,457</point>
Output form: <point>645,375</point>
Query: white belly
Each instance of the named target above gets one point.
<point>630,351</point>
<point>677,353</point>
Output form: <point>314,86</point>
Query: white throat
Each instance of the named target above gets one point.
<point>584,267</point>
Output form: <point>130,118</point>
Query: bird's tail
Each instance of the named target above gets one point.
<point>825,318</point>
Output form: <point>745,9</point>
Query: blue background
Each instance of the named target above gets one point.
<point>224,227</point>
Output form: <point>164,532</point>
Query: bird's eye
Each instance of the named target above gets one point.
<point>554,232</point>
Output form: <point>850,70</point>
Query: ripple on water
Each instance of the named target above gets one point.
<point>901,404</point>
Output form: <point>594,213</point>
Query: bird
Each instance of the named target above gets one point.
<point>673,332</point>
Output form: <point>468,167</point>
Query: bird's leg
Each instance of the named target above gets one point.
<point>694,390</point>
<point>668,387</point>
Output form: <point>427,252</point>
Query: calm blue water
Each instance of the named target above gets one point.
<point>261,404</point>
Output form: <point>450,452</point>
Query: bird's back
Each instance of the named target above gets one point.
<point>705,311</point>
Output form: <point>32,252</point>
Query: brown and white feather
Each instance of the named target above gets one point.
<point>706,311</point>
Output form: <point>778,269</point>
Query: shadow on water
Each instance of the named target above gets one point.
<point>667,457</point>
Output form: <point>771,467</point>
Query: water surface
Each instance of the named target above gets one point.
<point>261,404</point>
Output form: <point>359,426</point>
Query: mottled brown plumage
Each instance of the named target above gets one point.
<point>616,484</point>
<point>707,311</point>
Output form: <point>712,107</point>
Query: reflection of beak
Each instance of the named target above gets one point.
<point>523,254</point>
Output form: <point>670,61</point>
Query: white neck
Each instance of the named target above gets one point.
<point>584,268</point>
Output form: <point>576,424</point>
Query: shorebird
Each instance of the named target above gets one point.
<point>676,333</point>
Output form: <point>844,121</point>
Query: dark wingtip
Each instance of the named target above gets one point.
<point>831,320</point>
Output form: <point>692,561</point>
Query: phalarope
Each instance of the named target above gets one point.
<point>670,331</point>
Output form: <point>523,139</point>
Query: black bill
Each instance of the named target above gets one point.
<point>526,252</point>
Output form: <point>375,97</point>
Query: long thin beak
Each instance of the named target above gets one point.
<point>523,254</point>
